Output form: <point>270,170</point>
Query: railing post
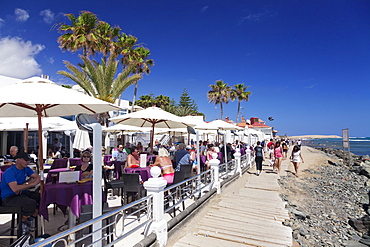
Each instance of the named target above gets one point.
<point>237,156</point>
<point>248,154</point>
<point>155,186</point>
<point>214,163</point>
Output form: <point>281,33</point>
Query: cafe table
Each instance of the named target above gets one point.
<point>65,195</point>
<point>56,171</point>
<point>143,171</point>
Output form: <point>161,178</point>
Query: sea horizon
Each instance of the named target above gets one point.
<point>357,145</point>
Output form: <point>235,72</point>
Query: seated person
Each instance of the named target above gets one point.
<point>119,154</point>
<point>9,159</point>
<point>57,154</point>
<point>14,189</point>
<point>182,156</point>
<point>86,167</point>
<point>133,159</point>
<point>164,162</point>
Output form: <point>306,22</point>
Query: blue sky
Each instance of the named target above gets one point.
<point>307,63</point>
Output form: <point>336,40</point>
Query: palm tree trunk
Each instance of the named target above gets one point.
<point>238,112</point>
<point>134,99</point>
<point>222,111</point>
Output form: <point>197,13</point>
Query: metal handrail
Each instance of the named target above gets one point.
<point>116,214</point>
<point>192,188</point>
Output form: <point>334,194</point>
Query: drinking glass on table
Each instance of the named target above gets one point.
<point>54,178</point>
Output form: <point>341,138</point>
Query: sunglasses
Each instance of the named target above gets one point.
<point>86,156</point>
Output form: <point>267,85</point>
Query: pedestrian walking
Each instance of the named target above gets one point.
<point>278,154</point>
<point>259,157</point>
<point>296,158</point>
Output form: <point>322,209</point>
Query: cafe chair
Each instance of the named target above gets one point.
<point>112,185</point>
<point>16,213</point>
<point>133,190</point>
<point>187,170</point>
<point>86,215</point>
<point>176,193</point>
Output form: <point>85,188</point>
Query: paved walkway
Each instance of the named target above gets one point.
<point>249,215</point>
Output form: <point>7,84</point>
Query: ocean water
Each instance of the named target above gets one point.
<point>358,145</point>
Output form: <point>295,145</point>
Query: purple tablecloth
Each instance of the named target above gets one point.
<point>75,162</point>
<point>242,151</point>
<point>59,163</point>
<point>143,171</point>
<point>66,195</point>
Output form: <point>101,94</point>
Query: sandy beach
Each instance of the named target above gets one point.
<point>302,137</point>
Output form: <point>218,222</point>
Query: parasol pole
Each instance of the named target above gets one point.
<point>151,139</point>
<point>25,138</point>
<point>41,160</point>
<point>40,153</point>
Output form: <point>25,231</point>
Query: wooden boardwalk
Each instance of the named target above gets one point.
<point>248,216</point>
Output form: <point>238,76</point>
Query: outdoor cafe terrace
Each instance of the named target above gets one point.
<point>132,207</point>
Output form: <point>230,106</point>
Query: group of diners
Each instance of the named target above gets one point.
<point>19,178</point>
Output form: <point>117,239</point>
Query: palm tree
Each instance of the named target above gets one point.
<point>219,93</point>
<point>162,101</point>
<point>146,101</point>
<point>107,37</point>
<point>81,34</point>
<point>239,92</point>
<point>99,79</point>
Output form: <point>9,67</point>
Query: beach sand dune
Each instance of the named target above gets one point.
<point>313,137</point>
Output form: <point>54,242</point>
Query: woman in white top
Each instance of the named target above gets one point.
<point>296,158</point>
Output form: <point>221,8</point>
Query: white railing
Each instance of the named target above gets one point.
<point>117,225</point>
<point>147,214</point>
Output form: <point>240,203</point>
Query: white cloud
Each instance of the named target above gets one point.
<point>51,60</point>
<point>204,9</point>
<point>17,57</point>
<point>48,15</point>
<point>2,22</point>
<point>21,15</point>
<point>311,86</point>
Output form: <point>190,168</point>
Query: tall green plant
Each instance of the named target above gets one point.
<point>240,93</point>
<point>219,94</point>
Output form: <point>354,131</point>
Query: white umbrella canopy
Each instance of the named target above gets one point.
<point>205,126</point>
<point>125,128</point>
<point>39,97</point>
<point>19,123</point>
<point>220,124</point>
<point>152,117</point>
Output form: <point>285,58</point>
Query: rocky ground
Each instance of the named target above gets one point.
<point>328,203</point>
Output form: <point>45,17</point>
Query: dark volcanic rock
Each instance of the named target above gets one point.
<point>333,194</point>
<point>362,224</point>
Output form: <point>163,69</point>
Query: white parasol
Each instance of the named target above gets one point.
<point>152,117</point>
<point>39,97</point>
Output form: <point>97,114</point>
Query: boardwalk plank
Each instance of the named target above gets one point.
<point>249,216</point>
